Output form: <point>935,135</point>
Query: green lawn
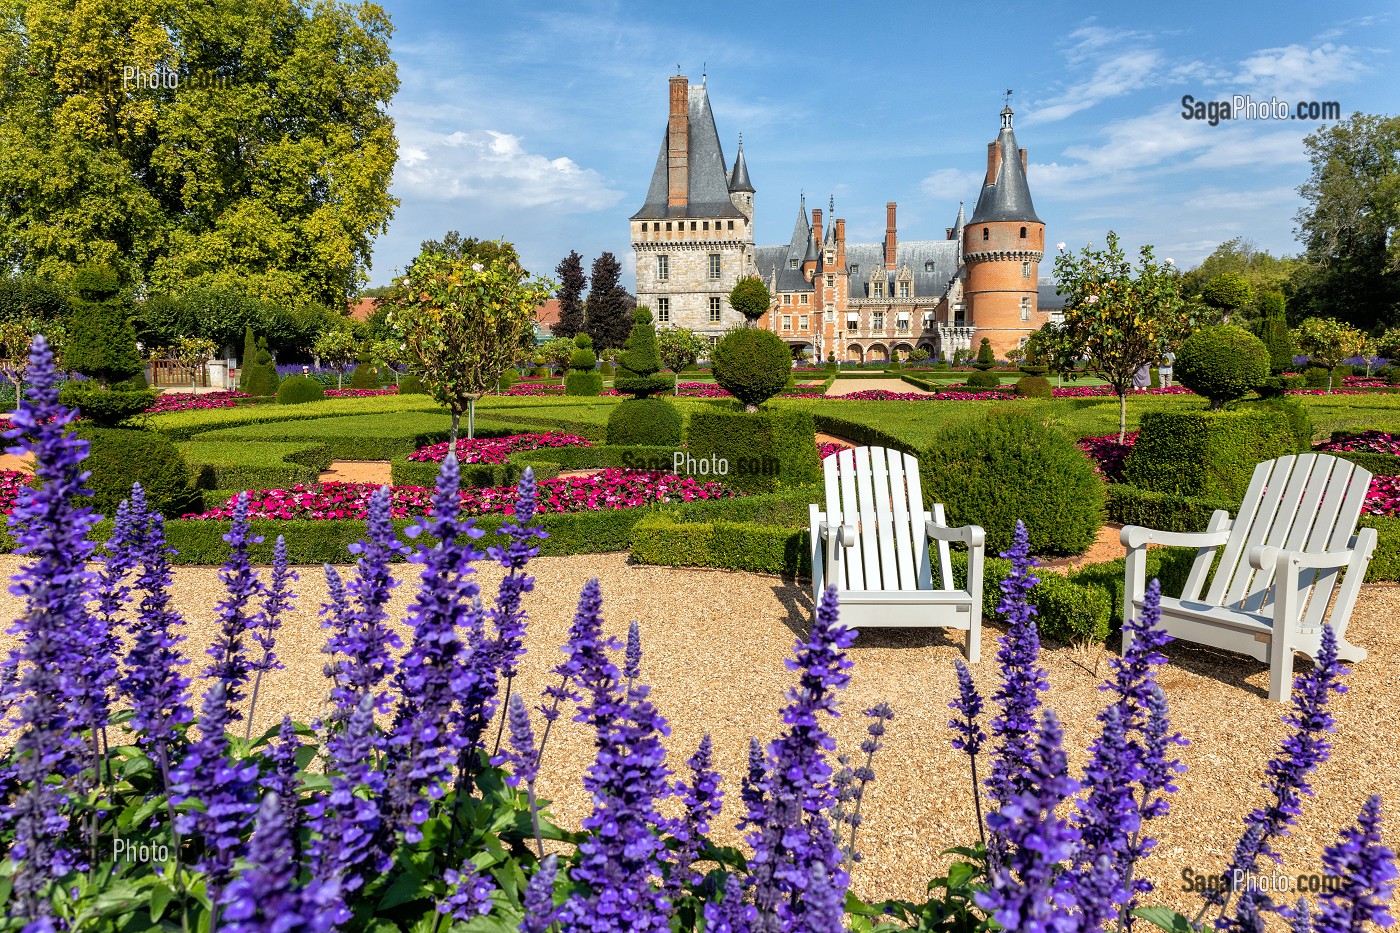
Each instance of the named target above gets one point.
<point>182,425</point>
<point>250,465</point>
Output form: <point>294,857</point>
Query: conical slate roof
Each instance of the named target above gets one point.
<point>1008,197</point>
<point>801,232</point>
<point>708,182</point>
<point>739,178</point>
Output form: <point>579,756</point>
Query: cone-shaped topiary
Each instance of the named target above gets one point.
<point>752,365</point>
<point>639,366</point>
<point>260,378</point>
<point>583,377</point>
<point>1276,337</point>
<point>1222,363</point>
<point>985,358</point>
<point>364,376</point>
<point>101,340</point>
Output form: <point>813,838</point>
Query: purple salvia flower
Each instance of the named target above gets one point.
<point>843,793</point>
<point>1300,917</point>
<point>1366,867</point>
<point>823,904</point>
<point>969,735</point>
<point>523,758</point>
<point>152,680</point>
<point>632,668</point>
<point>264,898</point>
<point>1108,818</point>
<point>277,599</point>
<point>540,912</point>
<point>701,800</point>
<point>425,740</point>
<point>227,788</point>
<point>113,593</point>
<point>1158,768</point>
<point>468,893</point>
<point>797,795</point>
<point>507,617</point>
<point>1023,680</point>
<point>1028,890</point>
<point>350,840</point>
<point>1248,915</point>
<point>751,788</point>
<point>281,779</point>
<point>54,662</point>
<point>231,664</point>
<point>879,715</point>
<point>730,914</point>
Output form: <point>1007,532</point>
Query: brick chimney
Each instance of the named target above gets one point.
<point>1023,161</point>
<point>678,143</point>
<point>993,162</point>
<point>841,243</point>
<point>890,235</point>
<point>817,226</point>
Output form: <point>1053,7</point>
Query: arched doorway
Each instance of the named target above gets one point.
<point>854,353</point>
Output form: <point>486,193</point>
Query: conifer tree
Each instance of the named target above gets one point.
<point>639,367</point>
<point>572,282</point>
<point>609,309</point>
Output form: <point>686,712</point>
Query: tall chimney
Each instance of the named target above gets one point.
<point>678,143</point>
<point>841,243</point>
<point>993,162</point>
<point>1023,161</point>
<point>889,235</point>
<point>817,226</point>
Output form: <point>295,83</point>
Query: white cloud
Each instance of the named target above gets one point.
<point>495,170</point>
<point>1294,70</point>
<point>948,183</point>
<point>1104,64</point>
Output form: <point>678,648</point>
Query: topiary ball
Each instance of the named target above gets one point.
<point>1009,465</point>
<point>1222,363</point>
<point>652,422</point>
<point>507,379</point>
<point>752,365</point>
<point>983,380</point>
<point>105,408</point>
<point>298,389</point>
<point>411,385</point>
<point>1035,387</point>
<point>364,377</point>
<point>119,457</point>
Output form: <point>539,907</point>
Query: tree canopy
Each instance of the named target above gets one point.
<point>572,282</point>
<point>227,143</point>
<point>750,298</point>
<point>610,306</point>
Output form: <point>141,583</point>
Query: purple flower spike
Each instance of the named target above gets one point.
<point>468,893</point>
<point>731,914</point>
<point>632,669</point>
<point>232,665</point>
<point>1366,868</point>
<point>265,897</point>
<point>701,800</point>
<point>1023,680</point>
<point>522,758</point>
<point>540,912</point>
<point>969,706</point>
<point>152,681</point>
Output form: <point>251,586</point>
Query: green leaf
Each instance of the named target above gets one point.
<point>959,874</point>
<point>408,886</point>
<point>1164,918</point>
<point>161,895</point>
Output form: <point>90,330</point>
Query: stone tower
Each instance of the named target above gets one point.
<point>693,238</point>
<point>1003,244</point>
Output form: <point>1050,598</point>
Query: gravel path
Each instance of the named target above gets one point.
<point>893,384</point>
<point>715,642</point>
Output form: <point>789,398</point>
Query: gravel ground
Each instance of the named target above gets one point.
<point>715,642</point>
<point>894,384</point>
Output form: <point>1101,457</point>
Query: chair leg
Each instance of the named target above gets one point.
<point>1280,671</point>
<point>1134,586</point>
<point>974,639</point>
<point>975,556</point>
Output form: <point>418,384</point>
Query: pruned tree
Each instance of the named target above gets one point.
<point>1119,319</point>
<point>1328,342</point>
<point>609,307</point>
<point>680,348</point>
<point>572,283</point>
<point>194,352</point>
<point>16,335</point>
<point>463,324</point>
<point>1228,293</point>
<point>337,348</point>
<point>751,298</point>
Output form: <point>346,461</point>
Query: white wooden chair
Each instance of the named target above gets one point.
<point>1280,564</point>
<point>872,542</point>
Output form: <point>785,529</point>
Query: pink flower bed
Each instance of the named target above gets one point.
<point>1364,382</point>
<point>608,489</point>
<point>825,450</point>
<point>1377,442</point>
<point>1107,454</point>
<point>361,393</point>
<point>1095,391</point>
<point>1323,392</point>
<point>497,449</point>
<point>1383,498</point>
<point>11,481</point>
<point>189,401</point>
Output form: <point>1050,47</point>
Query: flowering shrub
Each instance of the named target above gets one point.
<point>1383,498</point>
<point>1379,442</point>
<point>361,393</point>
<point>497,449</point>
<point>1108,454</point>
<point>606,489</point>
<point>11,482</point>
<point>188,401</point>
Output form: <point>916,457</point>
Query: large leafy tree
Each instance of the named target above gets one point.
<point>1350,224</point>
<point>680,348</point>
<point>266,165</point>
<point>1329,342</point>
<point>572,282</point>
<point>609,308</point>
<point>463,323</point>
<point>1118,319</point>
<point>1261,270</point>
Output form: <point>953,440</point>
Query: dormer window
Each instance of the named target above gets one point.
<point>928,267</point>
<point>792,263</point>
<point>879,287</point>
<point>855,270</point>
<point>904,289</point>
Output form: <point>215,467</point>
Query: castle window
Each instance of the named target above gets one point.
<point>904,289</point>
<point>804,298</point>
<point>787,322</point>
<point>668,226</point>
<point>877,321</point>
<point>852,322</point>
<point>692,226</point>
<point>1023,233</point>
<point>663,267</point>
<point>879,287</point>
<point>663,310</point>
<point>714,310</point>
<point>714,265</point>
<point>831,280</point>
<point>928,267</point>
<point>1025,309</point>
<point>731,225</point>
<point>802,322</point>
<point>792,263</point>
<point>705,225</point>
<point>986,234</point>
<point>787,299</point>
<point>1025,270</point>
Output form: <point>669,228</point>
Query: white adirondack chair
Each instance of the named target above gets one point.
<point>1281,563</point>
<point>872,542</point>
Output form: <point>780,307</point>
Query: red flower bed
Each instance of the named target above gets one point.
<point>11,481</point>
<point>189,401</point>
<point>608,489</point>
<point>1095,391</point>
<point>1383,498</point>
<point>1378,442</point>
<point>1107,454</point>
<point>497,449</point>
<point>825,450</point>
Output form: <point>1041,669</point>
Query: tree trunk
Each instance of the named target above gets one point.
<point>456,422</point>
<point>1122,416</point>
<point>471,418</point>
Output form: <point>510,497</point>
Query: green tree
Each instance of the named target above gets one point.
<point>195,352</point>
<point>680,348</point>
<point>101,338</point>
<point>639,365</point>
<point>1229,293</point>
<point>23,296</point>
<point>557,353</point>
<point>572,282</point>
<point>472,250</point>
<point>1119,319</point>
<point>1349,224</point>
<point>750,297</point>
<point>265,166</point>
<point>609,308</point>
<point>337,348</point>
<point>463,323</point>
<point>1273,330</point>
<point>16,334</point>
<point>1260,269</point>
<point>1328,342</point>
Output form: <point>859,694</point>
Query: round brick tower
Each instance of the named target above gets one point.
<point>1003,244</point>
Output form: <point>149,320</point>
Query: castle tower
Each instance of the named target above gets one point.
<point>1002,247</point>
<point>693,238</point>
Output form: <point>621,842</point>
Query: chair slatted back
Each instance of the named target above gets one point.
<point>876,490</point>
<point>1307,502</point>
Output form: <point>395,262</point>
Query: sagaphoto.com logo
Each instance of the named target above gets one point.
<point>1245,107</point>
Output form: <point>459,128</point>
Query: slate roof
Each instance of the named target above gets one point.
<point>739,178</point>
<point>933,262</point>
<point>771,259</point>
<point>708,190</point>
<point>1009,196</point>
<point>1047,298</point>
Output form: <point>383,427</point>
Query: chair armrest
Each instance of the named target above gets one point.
<point>1133,537</point>
<point>1262,556</point>
<point>971,535</point>
<point>845,534</point>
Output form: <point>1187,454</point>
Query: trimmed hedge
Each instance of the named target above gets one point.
<point>106,408</point>
<point>1222,363</point>
<point>863,435</point>
<point>118,457</point>
<point>1034,387</point>
<point>764,450</point>
<point>662,540</point>
<point>411,384</point>
<point>1298,421</point>
<point>183,425</point>
<point>1377,464</point>
<point>1210,454</point>
<point>643,420</point>
<point>752,365</point>
<point>234,467</point>
<point>360,437</point>
<point>983,380</point>
<point>1129,505</point>
<point>298,390</point>
<point>1385,563</point>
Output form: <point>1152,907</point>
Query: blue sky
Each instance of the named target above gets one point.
<point>540,122</point>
